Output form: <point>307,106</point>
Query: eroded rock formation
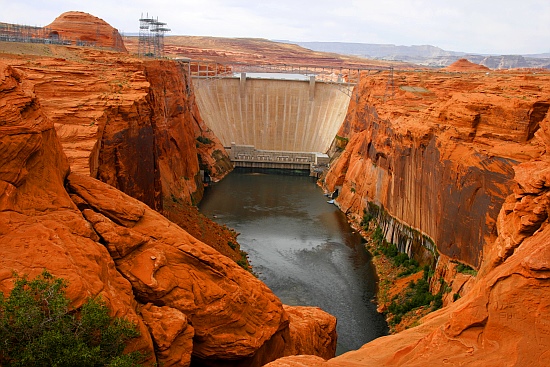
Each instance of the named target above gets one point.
<point>40,227</point>
<point>133,124</point>
<point>129,123</point>
<point>488,134</point>
<point>189,301</point>
<point>437,151</point>
<point>85,29</point>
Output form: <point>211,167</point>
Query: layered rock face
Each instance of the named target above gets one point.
<point>133,124</point>
<point>85,29</point>
<point>436,151</point>
<point>40,227</point>
<point>189,301</point>
<point>502,319</point>
<point>129,123</point>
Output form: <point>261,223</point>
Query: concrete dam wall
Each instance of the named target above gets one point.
<point>273,114</point>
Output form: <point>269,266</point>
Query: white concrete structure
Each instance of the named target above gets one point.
<point>276,115</point>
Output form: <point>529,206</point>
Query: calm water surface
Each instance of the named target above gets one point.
<point>302,248</point>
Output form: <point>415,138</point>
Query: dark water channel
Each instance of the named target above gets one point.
<point>301,247</point>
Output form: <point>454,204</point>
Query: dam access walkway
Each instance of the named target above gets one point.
<point>273,116</point>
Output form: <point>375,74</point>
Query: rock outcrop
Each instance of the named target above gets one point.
<point>490,139</point>
<point>189,301</point>
<point>87,30</point>
<point>133,124</point>
<point>312,332</point>
<point>129,123</point>
<point>232,313</point>
<point>465,65</point>
<point>437,152</point>
<point>40,227</point>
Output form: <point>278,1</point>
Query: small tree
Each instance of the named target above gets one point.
<point>37,328</point>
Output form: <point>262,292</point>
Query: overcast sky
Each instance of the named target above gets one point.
<point>477,26</point>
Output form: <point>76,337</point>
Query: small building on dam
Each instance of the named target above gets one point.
<point>273,121</point>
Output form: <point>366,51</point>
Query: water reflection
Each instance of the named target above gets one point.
<point>302,248</point>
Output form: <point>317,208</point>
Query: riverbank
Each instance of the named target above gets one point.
<point>391,287</point>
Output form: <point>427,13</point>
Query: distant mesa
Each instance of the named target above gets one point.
<point>465,65</point>
<point>86,30</point>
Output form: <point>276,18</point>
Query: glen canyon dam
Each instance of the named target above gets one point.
<point>428,188</point>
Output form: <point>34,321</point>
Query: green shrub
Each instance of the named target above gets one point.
<point>465,269</point>
<point>204,140</point>
<point>367,217</point>
<point>37,328</point>
<point>378,236</point>
<point>389,249</point>
<point>243,262</point>
<point>400,259</point>
<point>416,295</point>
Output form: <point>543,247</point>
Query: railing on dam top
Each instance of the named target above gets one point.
<point>206,69</point>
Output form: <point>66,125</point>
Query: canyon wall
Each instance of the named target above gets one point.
<point>490,131</point>
<point>437,151</point>
<point>190,302</point>
<point>133,124</point>
<point>130,123</point>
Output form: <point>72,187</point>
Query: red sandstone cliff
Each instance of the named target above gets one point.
<point>437,151</point>
<point>189,301</point>
<point>84,29</point>
<point>133,124</point>
<point>445,144</point>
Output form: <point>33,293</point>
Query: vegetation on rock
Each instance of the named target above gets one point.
<point>37,328</point>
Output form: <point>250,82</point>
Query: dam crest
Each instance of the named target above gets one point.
<point>274,118</point>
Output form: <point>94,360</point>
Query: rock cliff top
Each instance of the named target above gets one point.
<point>465,65</point>
<point>86,29</point>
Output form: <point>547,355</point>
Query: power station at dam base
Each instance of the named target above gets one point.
<point>247,156</point>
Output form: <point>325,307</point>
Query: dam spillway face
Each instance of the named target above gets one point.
<point>273,114</point>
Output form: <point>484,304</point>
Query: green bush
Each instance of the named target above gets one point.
<point>465,269</point>
<point>367,217</point>
<point>204,140</point>
<point>37,328</point>
<point>417,294</point>
<point>378,236</point>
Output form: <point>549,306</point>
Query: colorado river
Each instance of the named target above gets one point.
<point>301,247</point>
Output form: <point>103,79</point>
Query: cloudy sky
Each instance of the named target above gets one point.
<point>480,26</point>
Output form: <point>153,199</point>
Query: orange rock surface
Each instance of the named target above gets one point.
<point>40,227</point>
<point>465,65</point>
<point>189,299</point>
<point>437,151</point>
<point>112,112</point>
<point>312,332</point>
<point>166,266</point>
<point>474,134</point>
<point>109,108</point>
<point>83,28</point>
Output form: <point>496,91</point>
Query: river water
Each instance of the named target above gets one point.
<point>301,247</point>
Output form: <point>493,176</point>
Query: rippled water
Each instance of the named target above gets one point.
<point>302,248</point>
